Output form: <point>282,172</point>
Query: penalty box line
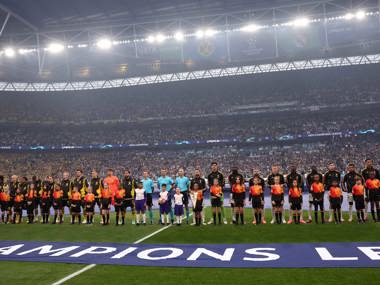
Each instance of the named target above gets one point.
<point>90,266</point>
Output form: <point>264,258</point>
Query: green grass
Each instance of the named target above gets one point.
<point>46,273</point>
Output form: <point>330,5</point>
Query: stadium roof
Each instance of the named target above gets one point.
<point>45,15</point>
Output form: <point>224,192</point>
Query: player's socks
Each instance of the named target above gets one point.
<point>256,217</point>
<point>323,217</point>
<point>214,218</point>
<point>359,217</point>
<point>219,218</point>
<point>55,219</point>
<point>60,218</point>
<point>362,216</point>
<point>72,220</point>
<point>242,218</point>
<point>187,215</point>
<point>295,219</point>
<point>162,219</point>
<point>335,217</point>
<point>280,217</point>
<point>117,220</point>
<point>2,217</point>
<point>373,215</point>
<point>237,218</point>
<point>339,216</point>
<point>151,216</point>
<point>79,219</point>
<point>258,221</point>
<point>108,219</point>
<point>168,219</point>
<point>144,218</point>
<point>316,217</point>
<point>378,215</point>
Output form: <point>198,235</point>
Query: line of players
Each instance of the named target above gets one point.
<point>79,196</point>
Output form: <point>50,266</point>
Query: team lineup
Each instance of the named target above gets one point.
<point>81,197</point>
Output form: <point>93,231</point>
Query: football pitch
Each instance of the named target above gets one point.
<point>49,273</point>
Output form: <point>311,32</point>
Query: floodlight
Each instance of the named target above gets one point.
<point>301,22</point>
<point>250,28</point>
<point>160,38</point>
<point>349,16</point>
<point>9,52</point>
<point>55,47</point>
<point>104,43</point>
<point>179,36</point>
<point>360,15</point>
<point>205,33</point>
<point>200,34</point>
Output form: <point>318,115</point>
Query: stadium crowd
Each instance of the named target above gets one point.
<point>239,128</point>
<point>331,87</point>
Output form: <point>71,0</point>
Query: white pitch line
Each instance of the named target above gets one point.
<point>90,266</point>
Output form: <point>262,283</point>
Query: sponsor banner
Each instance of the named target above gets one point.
<point>276,255</point>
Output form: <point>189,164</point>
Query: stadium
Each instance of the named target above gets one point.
<point>186,141</point>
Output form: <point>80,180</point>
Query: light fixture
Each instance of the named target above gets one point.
<point>301,22</point>
<point>9,52</point>
<point>55,47</point>
<point>250,28</point>
<point>104,43</point>
<point>360,15</point>
<point>179,36</point>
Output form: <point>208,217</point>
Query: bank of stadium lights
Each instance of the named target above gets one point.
<point>179,36</point>
<point>205,33</point>
<point>9,52</point>
<point>251,28</point>
<point>159,38</point>
<point>56,48</point>
<point>104,43</point>
<point>300,22</point>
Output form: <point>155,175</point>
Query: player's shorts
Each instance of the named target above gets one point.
<point>257,202</point>
<point>164,208</point>
<point>140,205</point>
<point>57,204</point>
<point>318,197</point>
<point>374,195</point>
<point>45,205</point>
<point>105,204</point>
<point>198,206</point>
<point>216,202</point>
<point>17,207</point>
<point>149,199</point>
<point>335,203</point>
<point>239,199</point>
<point>90,208</point>
<point>75,207</point>
<point>359,202</point>
<point>118,207</point>
<point>178,210</point>
<point>295,203</point>
<point>277,200</point>
<point>37,202</point>
<point>129,204</point>
<point>5,206</point>
<point>185,198</point>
